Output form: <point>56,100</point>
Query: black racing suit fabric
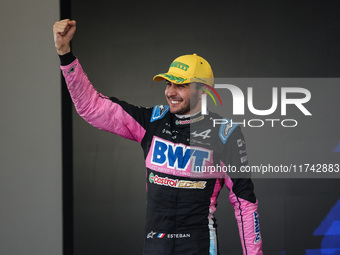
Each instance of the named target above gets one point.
<point>179,207</point>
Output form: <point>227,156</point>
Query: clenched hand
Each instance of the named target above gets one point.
<point>63,32</point>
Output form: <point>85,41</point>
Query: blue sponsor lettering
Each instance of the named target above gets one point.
<point>159,153</point>
<point>257,228</point>
<point>199,157</point>
<point>178,155</point>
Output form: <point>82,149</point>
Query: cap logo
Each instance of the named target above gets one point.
<point>174,78</point>
<point>179,65</point>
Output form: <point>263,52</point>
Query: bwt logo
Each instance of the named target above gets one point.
<point>178,156</point>
<point>238,99</point>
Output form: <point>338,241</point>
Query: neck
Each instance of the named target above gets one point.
<point>190,115</point>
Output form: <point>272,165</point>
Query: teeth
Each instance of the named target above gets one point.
<point>175,102</point>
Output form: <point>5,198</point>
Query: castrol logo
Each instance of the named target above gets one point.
<point>176,183</point>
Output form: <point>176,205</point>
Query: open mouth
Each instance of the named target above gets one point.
<point>174,102</point>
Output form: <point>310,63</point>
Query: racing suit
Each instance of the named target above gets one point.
<point>181,200</point>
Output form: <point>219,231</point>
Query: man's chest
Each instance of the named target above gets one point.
<point>182,149</point>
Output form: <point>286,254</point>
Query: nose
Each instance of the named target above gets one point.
<point>170,90</point>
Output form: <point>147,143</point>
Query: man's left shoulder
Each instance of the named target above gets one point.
<point>224,125</point>
<point>158,112</point>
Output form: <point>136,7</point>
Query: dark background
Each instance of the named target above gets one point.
<point>122,45</point>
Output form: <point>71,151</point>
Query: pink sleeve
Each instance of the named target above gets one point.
<point>248,222</point>
<point>99,110</point>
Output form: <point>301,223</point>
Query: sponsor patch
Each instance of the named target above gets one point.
<point>240,142</point>
<point>176,183</point>
<point>178,159</point>
<point>72,69</point>
<point>179,65</point>
<point>183,122</point>
<point>244,159</point>
<point>225,130</point>
<point>159,112</point>
<point>257,228</point>
<point>168,236</point>
<point>203,134</point>
<point>151,234</point>
<point>178,156</point>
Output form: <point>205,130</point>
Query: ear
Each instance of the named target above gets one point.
<point>200,93</point>
<point>202,88</point>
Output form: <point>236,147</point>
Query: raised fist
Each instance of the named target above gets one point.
<point>63,32</point>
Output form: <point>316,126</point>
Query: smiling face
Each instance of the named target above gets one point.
<point>182,99</point>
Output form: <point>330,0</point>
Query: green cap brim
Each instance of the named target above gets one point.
<point>171,77</point>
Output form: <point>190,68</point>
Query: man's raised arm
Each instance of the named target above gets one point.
<point>108,114</point>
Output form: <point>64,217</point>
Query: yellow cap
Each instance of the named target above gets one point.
<point>186,69</point>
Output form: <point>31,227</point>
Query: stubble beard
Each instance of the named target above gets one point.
<point>186,109</point>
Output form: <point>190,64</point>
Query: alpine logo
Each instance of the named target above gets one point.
<point>165,181</point>
<point>257,228</point>
<point>204,134</point>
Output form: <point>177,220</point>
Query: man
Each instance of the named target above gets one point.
<point>178,142</point>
